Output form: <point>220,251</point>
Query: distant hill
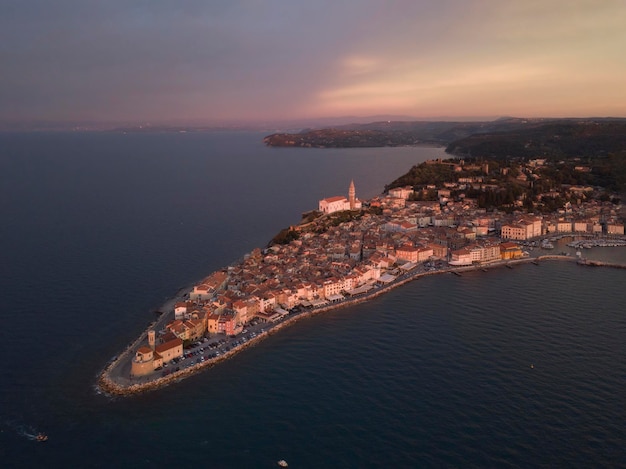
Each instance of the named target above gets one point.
<point>553,139</point>
<point>386,133</point>
<point>502,138</point>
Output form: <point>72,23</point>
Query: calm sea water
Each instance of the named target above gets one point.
<point>99,229</point>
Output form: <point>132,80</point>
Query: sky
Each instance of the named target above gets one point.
<point>250,60</point>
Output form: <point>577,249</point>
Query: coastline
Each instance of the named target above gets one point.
<point>107,384</point>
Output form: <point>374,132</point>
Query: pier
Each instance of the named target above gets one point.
<point>601,264</point>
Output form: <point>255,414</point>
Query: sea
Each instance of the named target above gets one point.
<point>519,368</point>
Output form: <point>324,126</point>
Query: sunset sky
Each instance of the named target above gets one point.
<point>219,61</point>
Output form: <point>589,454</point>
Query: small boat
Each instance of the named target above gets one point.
<point>41,437</point>
<point>283,463</point>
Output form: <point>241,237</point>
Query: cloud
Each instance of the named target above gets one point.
<point>359,65</point>
<point>533,56</point>
<point>277,58</point>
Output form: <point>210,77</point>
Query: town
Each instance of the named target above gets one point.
<point>349,249</point>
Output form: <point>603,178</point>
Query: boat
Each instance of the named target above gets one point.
<point>41,437</point>
<point>283,463</point>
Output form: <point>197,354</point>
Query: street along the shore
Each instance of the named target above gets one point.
<point>115,379</point>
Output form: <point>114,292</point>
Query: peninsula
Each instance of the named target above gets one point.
<point>504,137</point>
<point>442,216</point>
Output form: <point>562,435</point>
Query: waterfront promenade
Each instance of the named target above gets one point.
<point>115,378</point>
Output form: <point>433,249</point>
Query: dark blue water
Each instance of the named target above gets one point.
<point>99,229</point>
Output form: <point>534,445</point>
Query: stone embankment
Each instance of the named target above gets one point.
<point>556,257</point>
<point>110,382</point>
<point>113,371</point>
<point>601,264</point>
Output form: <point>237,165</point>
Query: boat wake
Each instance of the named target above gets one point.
<point>26,431</point>
<point>29,433</point>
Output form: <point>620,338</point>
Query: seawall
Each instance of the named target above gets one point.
<point>109,385</point>
<point>591,263</point>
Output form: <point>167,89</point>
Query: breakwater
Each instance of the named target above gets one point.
<point>591,263</point>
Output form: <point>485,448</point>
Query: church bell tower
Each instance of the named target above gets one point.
<point>352,195</point>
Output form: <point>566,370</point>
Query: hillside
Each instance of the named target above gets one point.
<point>388,133</point>
<point>506,137</point>
<point>571,138</point>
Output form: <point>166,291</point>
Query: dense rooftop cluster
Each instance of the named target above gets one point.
<point>393,233</point>
<point>336,253</point>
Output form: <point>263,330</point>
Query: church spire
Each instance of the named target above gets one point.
<point>352,195</point>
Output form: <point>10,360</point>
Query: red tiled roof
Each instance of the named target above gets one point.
<point>168,345</point>
<point>334,199</point>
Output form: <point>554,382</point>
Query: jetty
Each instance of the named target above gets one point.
<point>592,263</point>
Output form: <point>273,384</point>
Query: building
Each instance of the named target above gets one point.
<point>209,286</point>
<point>401,192</point>
<point>407,253</point>
<point>485,252</point>
<point>170,350</point>
<point>190,329</point>
<point>149,358</point>
<point>510,251</point>
<point>396,226</point>
<point>478,253</point>
<point>461,257</point>
<point>334,204</point>
<point>522,229</point>
<point>564,226</point>
<point>340,203</point>
<point>352,196</point>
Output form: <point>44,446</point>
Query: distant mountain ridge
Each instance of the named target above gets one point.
<point>509,136</point>
<point>379,134</point>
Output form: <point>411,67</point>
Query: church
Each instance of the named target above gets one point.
<point>339,203</point>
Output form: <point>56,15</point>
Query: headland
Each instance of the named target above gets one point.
<point>350,251</point>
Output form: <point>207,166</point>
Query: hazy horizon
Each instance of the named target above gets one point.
<point>249,62</point>
<point>261,125</point>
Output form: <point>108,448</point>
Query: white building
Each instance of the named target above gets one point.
<point>334,204</point>
<point>525,228</point>
<point>340,203</point>
<point>401,192</point>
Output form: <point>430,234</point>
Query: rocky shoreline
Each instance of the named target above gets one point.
<point>107,383</point>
